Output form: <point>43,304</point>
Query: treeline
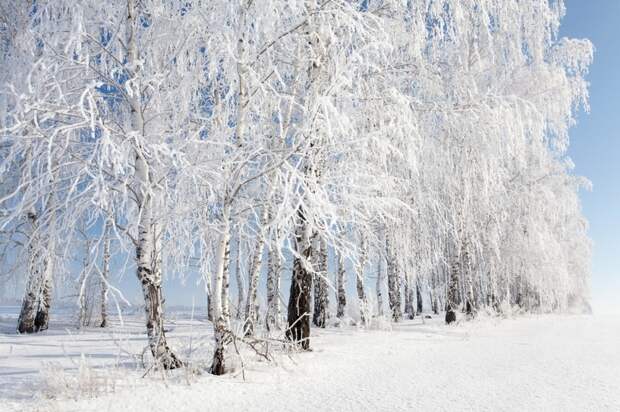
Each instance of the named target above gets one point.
<point>413,147</point>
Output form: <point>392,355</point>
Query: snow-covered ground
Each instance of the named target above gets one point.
<point>546,363</point>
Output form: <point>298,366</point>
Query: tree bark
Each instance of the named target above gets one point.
<point>393,282</point>
<point>221,328</point>
<point>453,291</point>
<point>149,274</point>
<point>30,302</point>
<point>82,282</point>
<point>105,276</point>
<point>257,263</point>
<point>409,310</point>
<point>25,322</point>
<point>379,286</point>
<point>321,286</point>
<point>434,293</point>
<point>301,286</point>
<point>226,284</point>
<point>418,293</point>
<point>239,278</point>
<point>301,283</point>
<point>209,302</point>
<point>341,288</point>
<point>359,283</point>
<point>470,302</point>
<point>41,321</point>
<point>272,319</point>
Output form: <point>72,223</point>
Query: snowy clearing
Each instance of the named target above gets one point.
<point>535,363</point>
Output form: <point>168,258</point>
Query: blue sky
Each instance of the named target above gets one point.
<point>595,147</point>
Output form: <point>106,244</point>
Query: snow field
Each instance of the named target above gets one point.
<point>546,363</point>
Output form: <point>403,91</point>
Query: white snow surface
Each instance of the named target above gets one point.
<point>534,363</point>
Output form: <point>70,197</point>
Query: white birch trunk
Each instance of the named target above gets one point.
<point>359,283</point>
<point>453,290</point>
<point>321,286</point>
<point>147,252</point>
<point>418,294</point>
<point>433,293</point>
<point>41,321</point>
<point>221,327</point>
<point>273,291</point>
<point>251,304</point>
<point>379,286</point>
<point>341,288</point>
<point>25,323</point>
<point>393,281</point>
<point>82,287</point>
<point>470,302</point>
<point>226,284</point>
<point>409,291</point>
<point>239,279</point>
<point>105,276</point>
<point>34,314</point>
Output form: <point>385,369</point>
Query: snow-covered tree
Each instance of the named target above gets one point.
<point>421,145</point>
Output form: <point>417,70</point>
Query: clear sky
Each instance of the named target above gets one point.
<point>595,143</point>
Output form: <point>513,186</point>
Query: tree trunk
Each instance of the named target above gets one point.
<point>272,319</point>
<point>493,295</point>
<point>359,284</point>
<point>81,320</point>
<point>82,282</point>
<point>418,294</point>
<point>321,286</point>
<point>221,329</point>
<point>379,286</point>
<point>251,301</point>
<point>209,303</point>
<point>301,283</point>
<point>409,310</point>
<point>150,278</point>
<point>470,302</point>
<point>226,284</point>
<point>393,282</point>
<point>301,286</point>
<point>341,293</point>
<point>434,293</point>
<point>105,276</point>
<point>26,322</point>
<point>41,321</point>
<point>257,263</point>
<point>149,274</point>
<point>148,254</point>
<point>239,278</point>
<point>453,291</point>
